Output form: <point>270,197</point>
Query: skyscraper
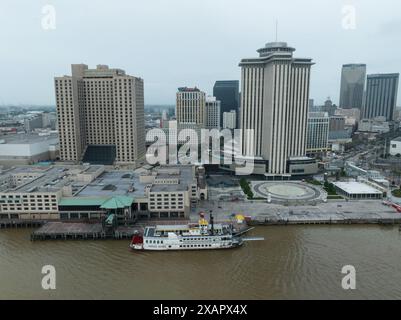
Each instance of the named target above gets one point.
<point>227,92</point>
<point>190,107</point>
<point>381,96</point>
<point>318,132</point>
<point>352,85</point>
<point>274,102</point>
<point>212,113</point>
<point>100,115</point>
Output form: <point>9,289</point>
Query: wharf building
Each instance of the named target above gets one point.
<point>100,116</point>
<point>89,192</point>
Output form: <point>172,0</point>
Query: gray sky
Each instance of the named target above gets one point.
<point>172,43</point>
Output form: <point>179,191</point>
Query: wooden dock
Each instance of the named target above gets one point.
<point>274,222</point>
<point>81,231</point>
<point>20,223</point>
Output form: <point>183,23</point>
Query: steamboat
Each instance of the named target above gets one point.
<point>201,236</point>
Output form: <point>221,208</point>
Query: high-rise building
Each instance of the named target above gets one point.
<point>229,120</point>
<point>100,115</point>
<point>381,96</point>
<point>311,105</point>
<point>227,92</point>
<point>352,116</point>
<point>212,113</point>
<point>352,85</point>
<point>318,132</point>
<point>274,103</point>
<point>190,107</point>
<point>337,123</point>
<point>33,122</point>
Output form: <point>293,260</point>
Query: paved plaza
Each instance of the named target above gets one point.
<point>287,191</point>
<point>337,211</point>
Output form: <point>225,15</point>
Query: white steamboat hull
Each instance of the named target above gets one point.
<point>194,246</point>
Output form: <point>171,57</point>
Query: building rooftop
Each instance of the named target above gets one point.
<point>37,179</point>
<point>92,185</point>
<point>114,183</point>
<point>383,75</point>
<point>318,114</point>
<point>186,89</point>
<point>354,187</point>
<point>28,138</point>
<point>340,134</point>
<point>184,174</point>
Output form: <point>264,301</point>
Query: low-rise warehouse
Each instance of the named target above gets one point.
<point>356,190</point>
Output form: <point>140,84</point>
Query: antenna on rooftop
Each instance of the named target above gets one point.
<point>276,29</point>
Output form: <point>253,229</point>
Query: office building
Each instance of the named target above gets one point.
<point>33,122</point>
<point>375,125</point>
<point>229,120</point>
<point>318,132</point>
<point>100,116</point>
<point>395,147</point>
<point>274,103</point>
<point>352,85</point>
<point>352,116</point>
<point>212,113</point>
<point>227,92</point>
<point>381,96</point>
<point>191,107</point>
<point>337,123</point>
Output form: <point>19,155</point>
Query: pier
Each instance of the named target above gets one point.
<point>262,221</point>
<point>81,231</point>
<point>20,223</point>
<point>349,212</point>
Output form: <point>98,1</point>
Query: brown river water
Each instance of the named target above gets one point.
<point>293,262</point>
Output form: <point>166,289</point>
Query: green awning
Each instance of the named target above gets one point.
<point>117,202</point>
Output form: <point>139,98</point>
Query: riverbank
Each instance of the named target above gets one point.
<point>260,213</point>
<point>336,212</point>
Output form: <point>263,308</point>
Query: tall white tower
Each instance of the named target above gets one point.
<point>274,100</point>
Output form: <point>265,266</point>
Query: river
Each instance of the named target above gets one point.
<point>293,262</point>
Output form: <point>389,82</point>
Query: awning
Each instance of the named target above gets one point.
<point>117,202</point>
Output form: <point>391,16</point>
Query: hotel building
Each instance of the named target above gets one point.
<point>100,116</point>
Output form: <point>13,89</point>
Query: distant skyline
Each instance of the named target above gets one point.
<point>189,42</point>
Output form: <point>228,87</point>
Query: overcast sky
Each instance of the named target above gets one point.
<point>172,43</point>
